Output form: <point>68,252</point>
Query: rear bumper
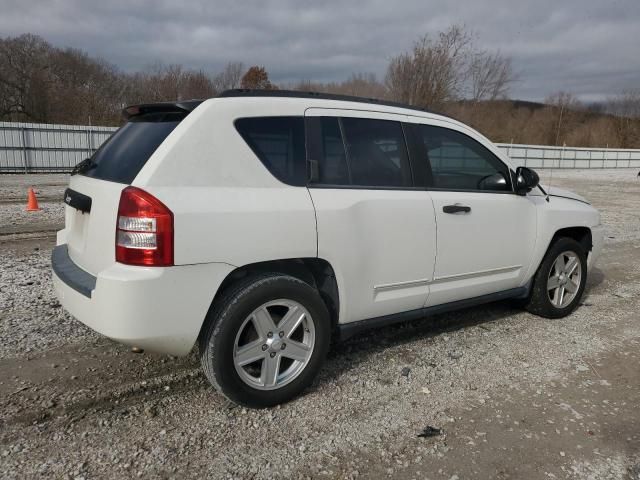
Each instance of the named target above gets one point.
<point>158,309</point>
<point>72,275</point>
<point>597,242</point>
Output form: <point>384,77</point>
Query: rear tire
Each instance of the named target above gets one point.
<point>265,340</point>
<point>560,280</point>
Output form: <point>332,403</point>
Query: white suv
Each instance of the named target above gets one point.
<point>257,224</point>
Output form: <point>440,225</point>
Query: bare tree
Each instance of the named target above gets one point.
<point>197,84</point>
<point>85,88</point>
<point>434,72</point>
<point>229,78</point>
<point>565,106</point>
<point>490,75</point>
<point>358,84</point>
<point>362,85</point>
<point>170,82</point>
<point>626,122</point>
<point>166,82</point>
<point>24,77</point>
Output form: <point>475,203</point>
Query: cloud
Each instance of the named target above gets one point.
<point>587,47</point>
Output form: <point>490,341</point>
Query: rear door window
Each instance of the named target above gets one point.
<point>358,152</point>
<point>328,154</point>
<point>124,154</point>
<point>377,153</point>
<point>279,144</point>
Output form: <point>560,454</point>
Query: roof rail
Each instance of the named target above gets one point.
<point>246,92</point>
<point>188,105</point>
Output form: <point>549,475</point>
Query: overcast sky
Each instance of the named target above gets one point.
<point>587,47</point>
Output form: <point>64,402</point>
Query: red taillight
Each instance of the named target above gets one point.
<point>144,231</point>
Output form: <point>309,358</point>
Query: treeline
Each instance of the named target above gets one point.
<point>560,120</point>
<point>447,72</point>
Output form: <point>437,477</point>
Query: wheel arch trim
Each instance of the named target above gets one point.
<point>314,271</point>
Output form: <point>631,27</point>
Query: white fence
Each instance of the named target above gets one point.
<point>33,147</point>
<point>540,156</point>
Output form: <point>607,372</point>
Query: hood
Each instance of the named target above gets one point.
<point>561,192</point>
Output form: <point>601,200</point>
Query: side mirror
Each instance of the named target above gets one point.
<point>526,180</point>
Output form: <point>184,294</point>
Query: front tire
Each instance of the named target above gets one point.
<point>560,281</point>
<point>265,340</point>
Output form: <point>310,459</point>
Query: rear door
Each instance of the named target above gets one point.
<point>375,227</point>
<point>90,233</point>
<point>486,233</point>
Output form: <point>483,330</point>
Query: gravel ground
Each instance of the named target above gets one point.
<point>49,185</point>
<point>13,200</point>
<point>515,396</point>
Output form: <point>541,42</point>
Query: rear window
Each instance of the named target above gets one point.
<point>124,154</point>
<point>279,144</point>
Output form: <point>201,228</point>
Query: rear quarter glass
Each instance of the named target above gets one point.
<point>279,143</point>
<point>124,154</point>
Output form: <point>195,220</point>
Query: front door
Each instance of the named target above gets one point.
<point>485,232</point>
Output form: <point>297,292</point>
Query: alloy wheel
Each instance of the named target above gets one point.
<point>274,344</point>
<point>564,279</point>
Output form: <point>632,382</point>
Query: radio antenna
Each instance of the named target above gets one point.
<point>544,192</point>
<point>550,180</point>
<point>564,145</point>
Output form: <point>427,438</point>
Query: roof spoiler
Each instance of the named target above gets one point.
<point>185,106</point>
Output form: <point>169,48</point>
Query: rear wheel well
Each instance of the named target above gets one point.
<point>315,271</point>
<point>582,235</point>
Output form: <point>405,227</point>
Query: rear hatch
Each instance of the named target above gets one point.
<point>94,189</point>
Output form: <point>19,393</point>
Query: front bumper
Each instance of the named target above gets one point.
<point>159,309</point>
<point>597,242</point>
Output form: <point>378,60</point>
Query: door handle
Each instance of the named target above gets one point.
<point>457,208</point>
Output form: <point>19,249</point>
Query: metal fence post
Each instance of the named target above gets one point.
<point>23,139</point>
<point>89,142</point>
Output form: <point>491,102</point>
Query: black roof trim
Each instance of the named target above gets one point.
<point>181,106</point>
<point>245,92</point>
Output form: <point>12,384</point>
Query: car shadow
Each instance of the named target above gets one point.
<point>347,355</point>
<point>594,279</point>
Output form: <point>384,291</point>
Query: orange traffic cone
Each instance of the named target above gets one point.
<point>32,201</point>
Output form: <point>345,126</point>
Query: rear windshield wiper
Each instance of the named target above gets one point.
<point>84,166</point>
